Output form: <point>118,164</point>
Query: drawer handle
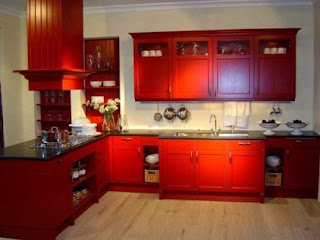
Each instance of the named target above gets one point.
<point>126,139</point>
<point>299,141</point>
<point>244,143</point>
<point>61,160</point>
<point>230,157</point>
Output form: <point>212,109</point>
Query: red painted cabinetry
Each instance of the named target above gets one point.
<point>299,167</point>
<point>211,168</point>
<point>254,64</point>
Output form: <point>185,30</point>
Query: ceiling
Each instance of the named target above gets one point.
<point>18,7</point>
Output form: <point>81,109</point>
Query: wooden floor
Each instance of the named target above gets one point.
<point>140,216</point>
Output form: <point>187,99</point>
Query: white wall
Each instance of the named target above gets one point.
<point>17,102</point>
<point>140,115</point>
<point>317,72</point>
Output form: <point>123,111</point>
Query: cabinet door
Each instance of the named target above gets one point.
<point>233,67</point>
<point>152,69</point>
<point>126,163</point>
<point>275,68</point>
<point>301,169</point>
<point>102,170</point>
<point>211,170</point>
<point>246,166</point>
<point>192,71</point>
<point>177,165</point>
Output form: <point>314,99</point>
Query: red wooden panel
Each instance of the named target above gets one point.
<point>246,145</point>
<point>234,78</point>
<point>246,170</point>
<point>211,170</point>
<point>150,141</point>
<point>126,140</point>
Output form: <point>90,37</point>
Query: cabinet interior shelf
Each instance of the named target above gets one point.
<point>94,88</point>
<point>155,165</point>
<point>104,70</point>
<point>55,121</point>
<point>84,202</point>
<point>54,105</point>
<point>84,178</point>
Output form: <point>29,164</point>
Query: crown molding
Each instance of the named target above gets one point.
<point>12,12</point>
<point>176,5</point>
<point>197,4</point>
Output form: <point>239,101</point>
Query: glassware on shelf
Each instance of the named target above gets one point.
<point>90,61</point>
<point>98,57</point>
<point>46,96</point>
<point>61,96</point>
<point>52,97</point>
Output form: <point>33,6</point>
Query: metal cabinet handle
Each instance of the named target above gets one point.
<point>139,150</point>
<point>191,155</point>
<point>126,139</point>
<point>230,157</point>
<point>288,153</point>
<point>299,141</point>
<point>61,160</point>
<point>244,143</point>
<point>197,156</point>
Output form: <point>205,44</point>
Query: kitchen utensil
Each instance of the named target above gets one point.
<point>296,127</point>
<point>273,161</point>
<point>169,113</point>
<point>157,116</point>
<point>183,113</point>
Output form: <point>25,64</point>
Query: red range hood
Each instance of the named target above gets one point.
<point>55,45</point>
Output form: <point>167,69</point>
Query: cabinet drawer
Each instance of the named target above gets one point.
<point>304,143</point>
<point>246,145</point>
<point>211,144</point>
<point>150,141</point>
<point>126,140</point>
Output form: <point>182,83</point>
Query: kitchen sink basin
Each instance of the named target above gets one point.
<point>185,134</point>
<point>233,135</point>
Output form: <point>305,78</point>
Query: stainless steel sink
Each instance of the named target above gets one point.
<point>206,135</point>
<point>185,134</point>
<point>233,135</point>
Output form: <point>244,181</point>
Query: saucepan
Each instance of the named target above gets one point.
<point>169,113</point>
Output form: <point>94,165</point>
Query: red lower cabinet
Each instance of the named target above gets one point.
<point>215,169</point>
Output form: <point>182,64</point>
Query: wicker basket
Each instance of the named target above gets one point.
<point>151,176</point>
<point>273,179</point>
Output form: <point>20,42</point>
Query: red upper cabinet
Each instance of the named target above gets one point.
<point>192,68</point>
<point>275,67</point>
<point>152,64</point>
<point>233,67</point>
<point>248,64</point>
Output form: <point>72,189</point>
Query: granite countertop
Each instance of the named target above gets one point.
<point>23,150</point>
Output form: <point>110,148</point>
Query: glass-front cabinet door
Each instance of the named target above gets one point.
<point>152,69</point>
<point>192,68</point>
<point>233,67</point>
<point>275,67</point>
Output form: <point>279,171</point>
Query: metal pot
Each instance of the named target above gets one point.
<point>183,113</point>
<point>169,113</point>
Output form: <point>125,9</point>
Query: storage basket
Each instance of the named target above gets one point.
<point>273,179</point>
<point>151,176</point>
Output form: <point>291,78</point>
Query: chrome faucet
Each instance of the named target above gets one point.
<point>215,130</point>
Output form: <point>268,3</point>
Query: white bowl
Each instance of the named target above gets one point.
<point>273,161</point>
<point>152,158</point>
<point>96,83</point>
<point>109,83</point>
<point>89,129</point>
<point>80,121</point>
<point>296,127</point>
<point>269,127</point>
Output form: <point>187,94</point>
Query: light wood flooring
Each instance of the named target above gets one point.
<point>139,216</point>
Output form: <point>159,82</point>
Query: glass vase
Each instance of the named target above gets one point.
<point>108,124</point>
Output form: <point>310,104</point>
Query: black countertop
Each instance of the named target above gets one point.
<point>23,150</point>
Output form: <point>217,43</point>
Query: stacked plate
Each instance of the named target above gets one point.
<point>152,158</point>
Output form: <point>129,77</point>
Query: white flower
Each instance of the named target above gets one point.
<point>101,109</point>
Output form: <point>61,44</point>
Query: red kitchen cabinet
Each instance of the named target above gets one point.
<point>299,167</point>
<point>192,68</point>
<point>233,67</point>
<point>246,161</point>
<point>298,174</point>
<point>102,165</point>
<point>177,165</point>
<point>216,65</point>
<point>126,160</point>
<point>211,165</point>
<point>275,67</point>
<point>152,64</point>
<point>213,168</point>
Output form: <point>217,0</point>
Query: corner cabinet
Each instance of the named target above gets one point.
<point>254,64</point>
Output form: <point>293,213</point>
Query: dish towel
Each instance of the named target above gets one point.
<point>236,114</point>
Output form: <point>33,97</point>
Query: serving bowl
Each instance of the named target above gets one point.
<point>269,127</point>
<point>152,158</point>
<point>96,83</point>
<point>296,127</point>
<point>109,83</point>
<point>273,161</point>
